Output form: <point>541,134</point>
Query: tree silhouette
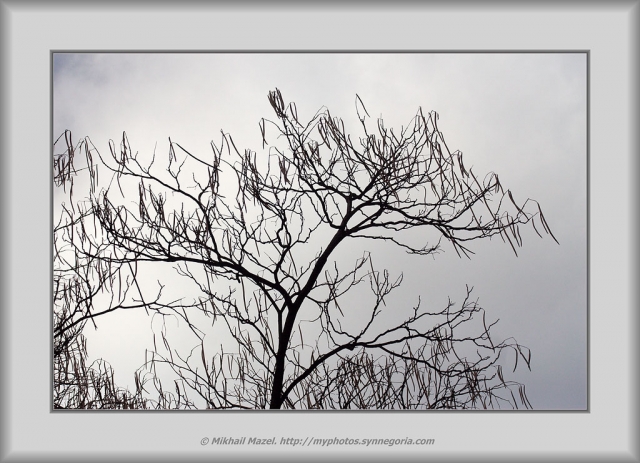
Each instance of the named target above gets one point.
<point>257,239</point>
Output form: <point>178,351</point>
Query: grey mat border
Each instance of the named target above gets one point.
<point>7,202</point>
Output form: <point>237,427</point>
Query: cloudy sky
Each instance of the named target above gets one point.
<point>522,116</point>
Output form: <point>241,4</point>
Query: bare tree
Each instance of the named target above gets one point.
<point>257,239</point>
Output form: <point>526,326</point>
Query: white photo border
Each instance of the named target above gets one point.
<point>30,31</point>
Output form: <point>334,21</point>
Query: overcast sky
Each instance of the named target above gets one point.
<point>522,116</point>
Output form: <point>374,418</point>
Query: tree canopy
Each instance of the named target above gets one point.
<point>257,239</point>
